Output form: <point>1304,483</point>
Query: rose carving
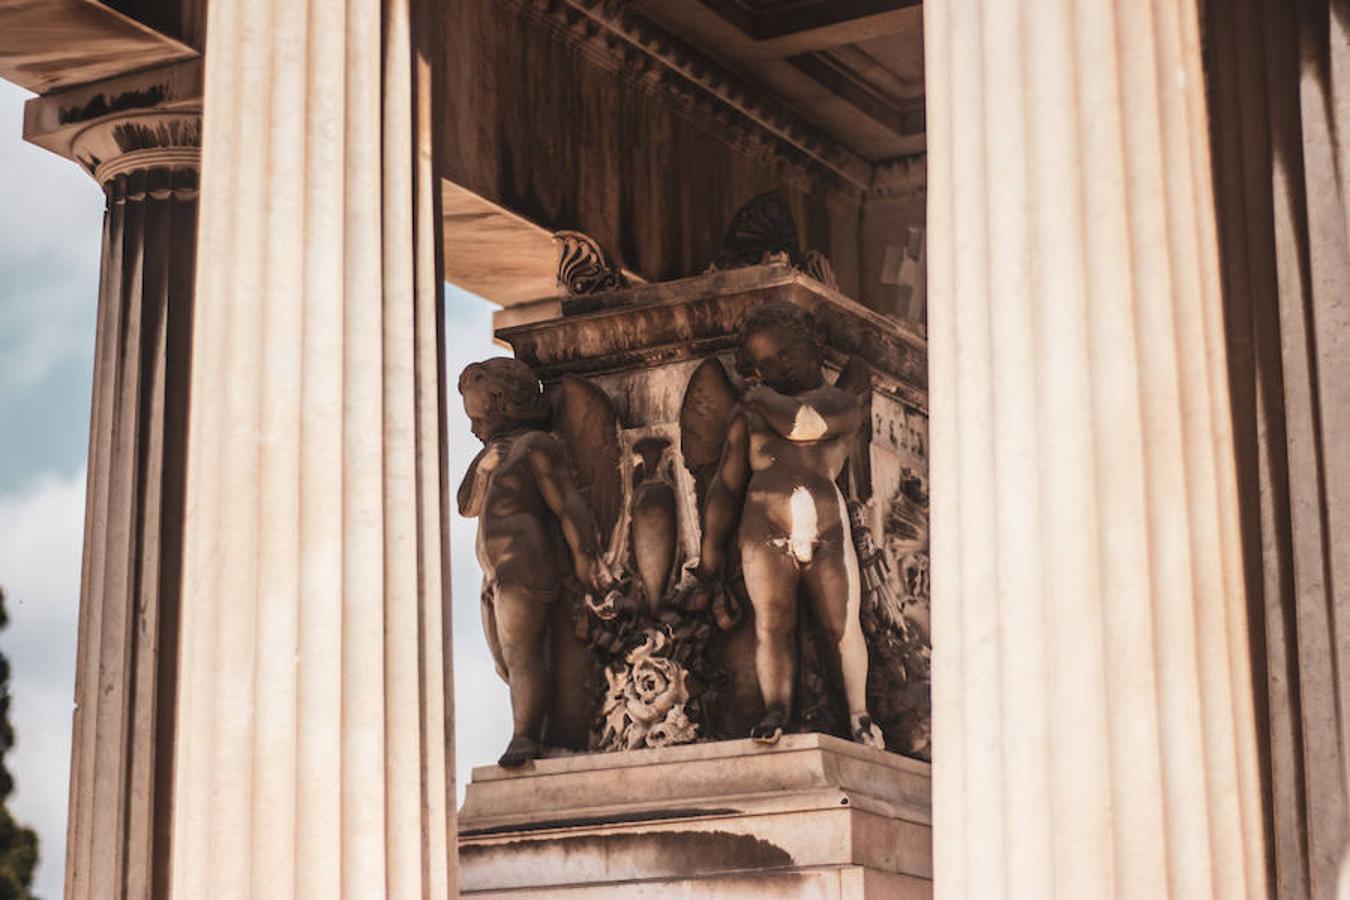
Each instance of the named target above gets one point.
<point>655,685</point>
<point>645,702</point>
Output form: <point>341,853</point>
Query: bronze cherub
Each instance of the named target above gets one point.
<point>780,449</point>
<point>535,529</point>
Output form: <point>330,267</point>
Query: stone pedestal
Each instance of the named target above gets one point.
<point>813,816</point>
<point>642,346</point>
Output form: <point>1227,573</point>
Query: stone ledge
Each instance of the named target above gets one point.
<point>816,883</point>
<point>651,325</point>
<point>690,818</point>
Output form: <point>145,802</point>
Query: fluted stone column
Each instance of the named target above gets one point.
<point>121,759</point>
<point>1093,723</point>
<point>314,698</point>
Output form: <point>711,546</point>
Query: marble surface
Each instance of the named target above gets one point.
<point>812,816</point>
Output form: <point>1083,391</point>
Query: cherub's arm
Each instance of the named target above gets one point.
<point>825,413</point>
<point>473,489</point>
<point>726,495</point>
<point>559,491</point>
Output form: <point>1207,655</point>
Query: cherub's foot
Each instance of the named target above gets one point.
<point>866,732</point>
<point>770,728</point>
<point>520,751</point>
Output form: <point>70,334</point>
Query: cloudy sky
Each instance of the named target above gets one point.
<point>50,220</point>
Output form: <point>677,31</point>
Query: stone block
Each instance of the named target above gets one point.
<point>812,816</point>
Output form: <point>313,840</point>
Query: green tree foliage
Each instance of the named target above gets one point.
<point>18,845</point>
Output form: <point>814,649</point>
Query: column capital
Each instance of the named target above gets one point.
<point>145,120</point>
<point>124,143</point>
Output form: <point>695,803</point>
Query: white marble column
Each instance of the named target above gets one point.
<point>1093,723</point>
<point>147,164</point>
<point>314,699</point>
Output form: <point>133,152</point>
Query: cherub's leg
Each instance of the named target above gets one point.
<point>522,618</point>
<point>835,592</point>
<point>771,577</point>
<point>490,632</point>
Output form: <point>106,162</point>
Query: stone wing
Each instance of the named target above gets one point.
<point>704,416</point>
<point>585,420</point>
<point>856,480</point>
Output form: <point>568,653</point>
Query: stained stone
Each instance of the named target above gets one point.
<point>812,816</point>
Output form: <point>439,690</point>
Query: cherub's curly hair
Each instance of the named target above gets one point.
<point>777,314</point>
<point>513,388</point>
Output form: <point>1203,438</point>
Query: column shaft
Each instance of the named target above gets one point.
<point>121,758</point>
<point>1093,724</point>
<point>314,701</point>
<point>1279,79</point>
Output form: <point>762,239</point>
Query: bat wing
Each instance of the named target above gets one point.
<point>705,415</point>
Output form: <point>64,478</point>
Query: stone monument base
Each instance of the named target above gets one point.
<point>812,816</point>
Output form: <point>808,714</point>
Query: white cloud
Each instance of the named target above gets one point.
<point>40,572</point>
<point>50,235</point>
<point>42,192</point>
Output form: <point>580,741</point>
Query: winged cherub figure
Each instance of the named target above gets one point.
<point>521,489</point>
<point>774,485</point>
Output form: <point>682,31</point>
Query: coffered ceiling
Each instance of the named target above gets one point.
<point>853,68</point>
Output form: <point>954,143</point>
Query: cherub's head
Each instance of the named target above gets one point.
<point>781,347</point>
<point>501,395</point>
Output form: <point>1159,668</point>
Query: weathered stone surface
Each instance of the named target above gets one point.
<point>644,347</point>
<point>1280,82</point>
<point>660,324</point>
<point>813,883</point>
<point>58,43</point>
<point>815,815</point>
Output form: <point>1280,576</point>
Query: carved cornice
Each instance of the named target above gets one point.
<point>624,41</point>
<point>659,324</point>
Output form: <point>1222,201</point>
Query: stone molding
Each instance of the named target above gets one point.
<point>730,819</point>
<point>624,41</point>
<point>680,320</point>
<point>145,120</point>
<point>126,143</point>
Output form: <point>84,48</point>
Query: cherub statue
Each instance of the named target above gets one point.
<point>779,452</point>
<point>535,529</point>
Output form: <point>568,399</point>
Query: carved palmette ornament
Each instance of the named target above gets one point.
<point>764,231</point>
<point>761,229</point>
<point>585,267</point>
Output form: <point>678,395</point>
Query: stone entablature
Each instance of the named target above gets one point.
<point>675,321</point>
